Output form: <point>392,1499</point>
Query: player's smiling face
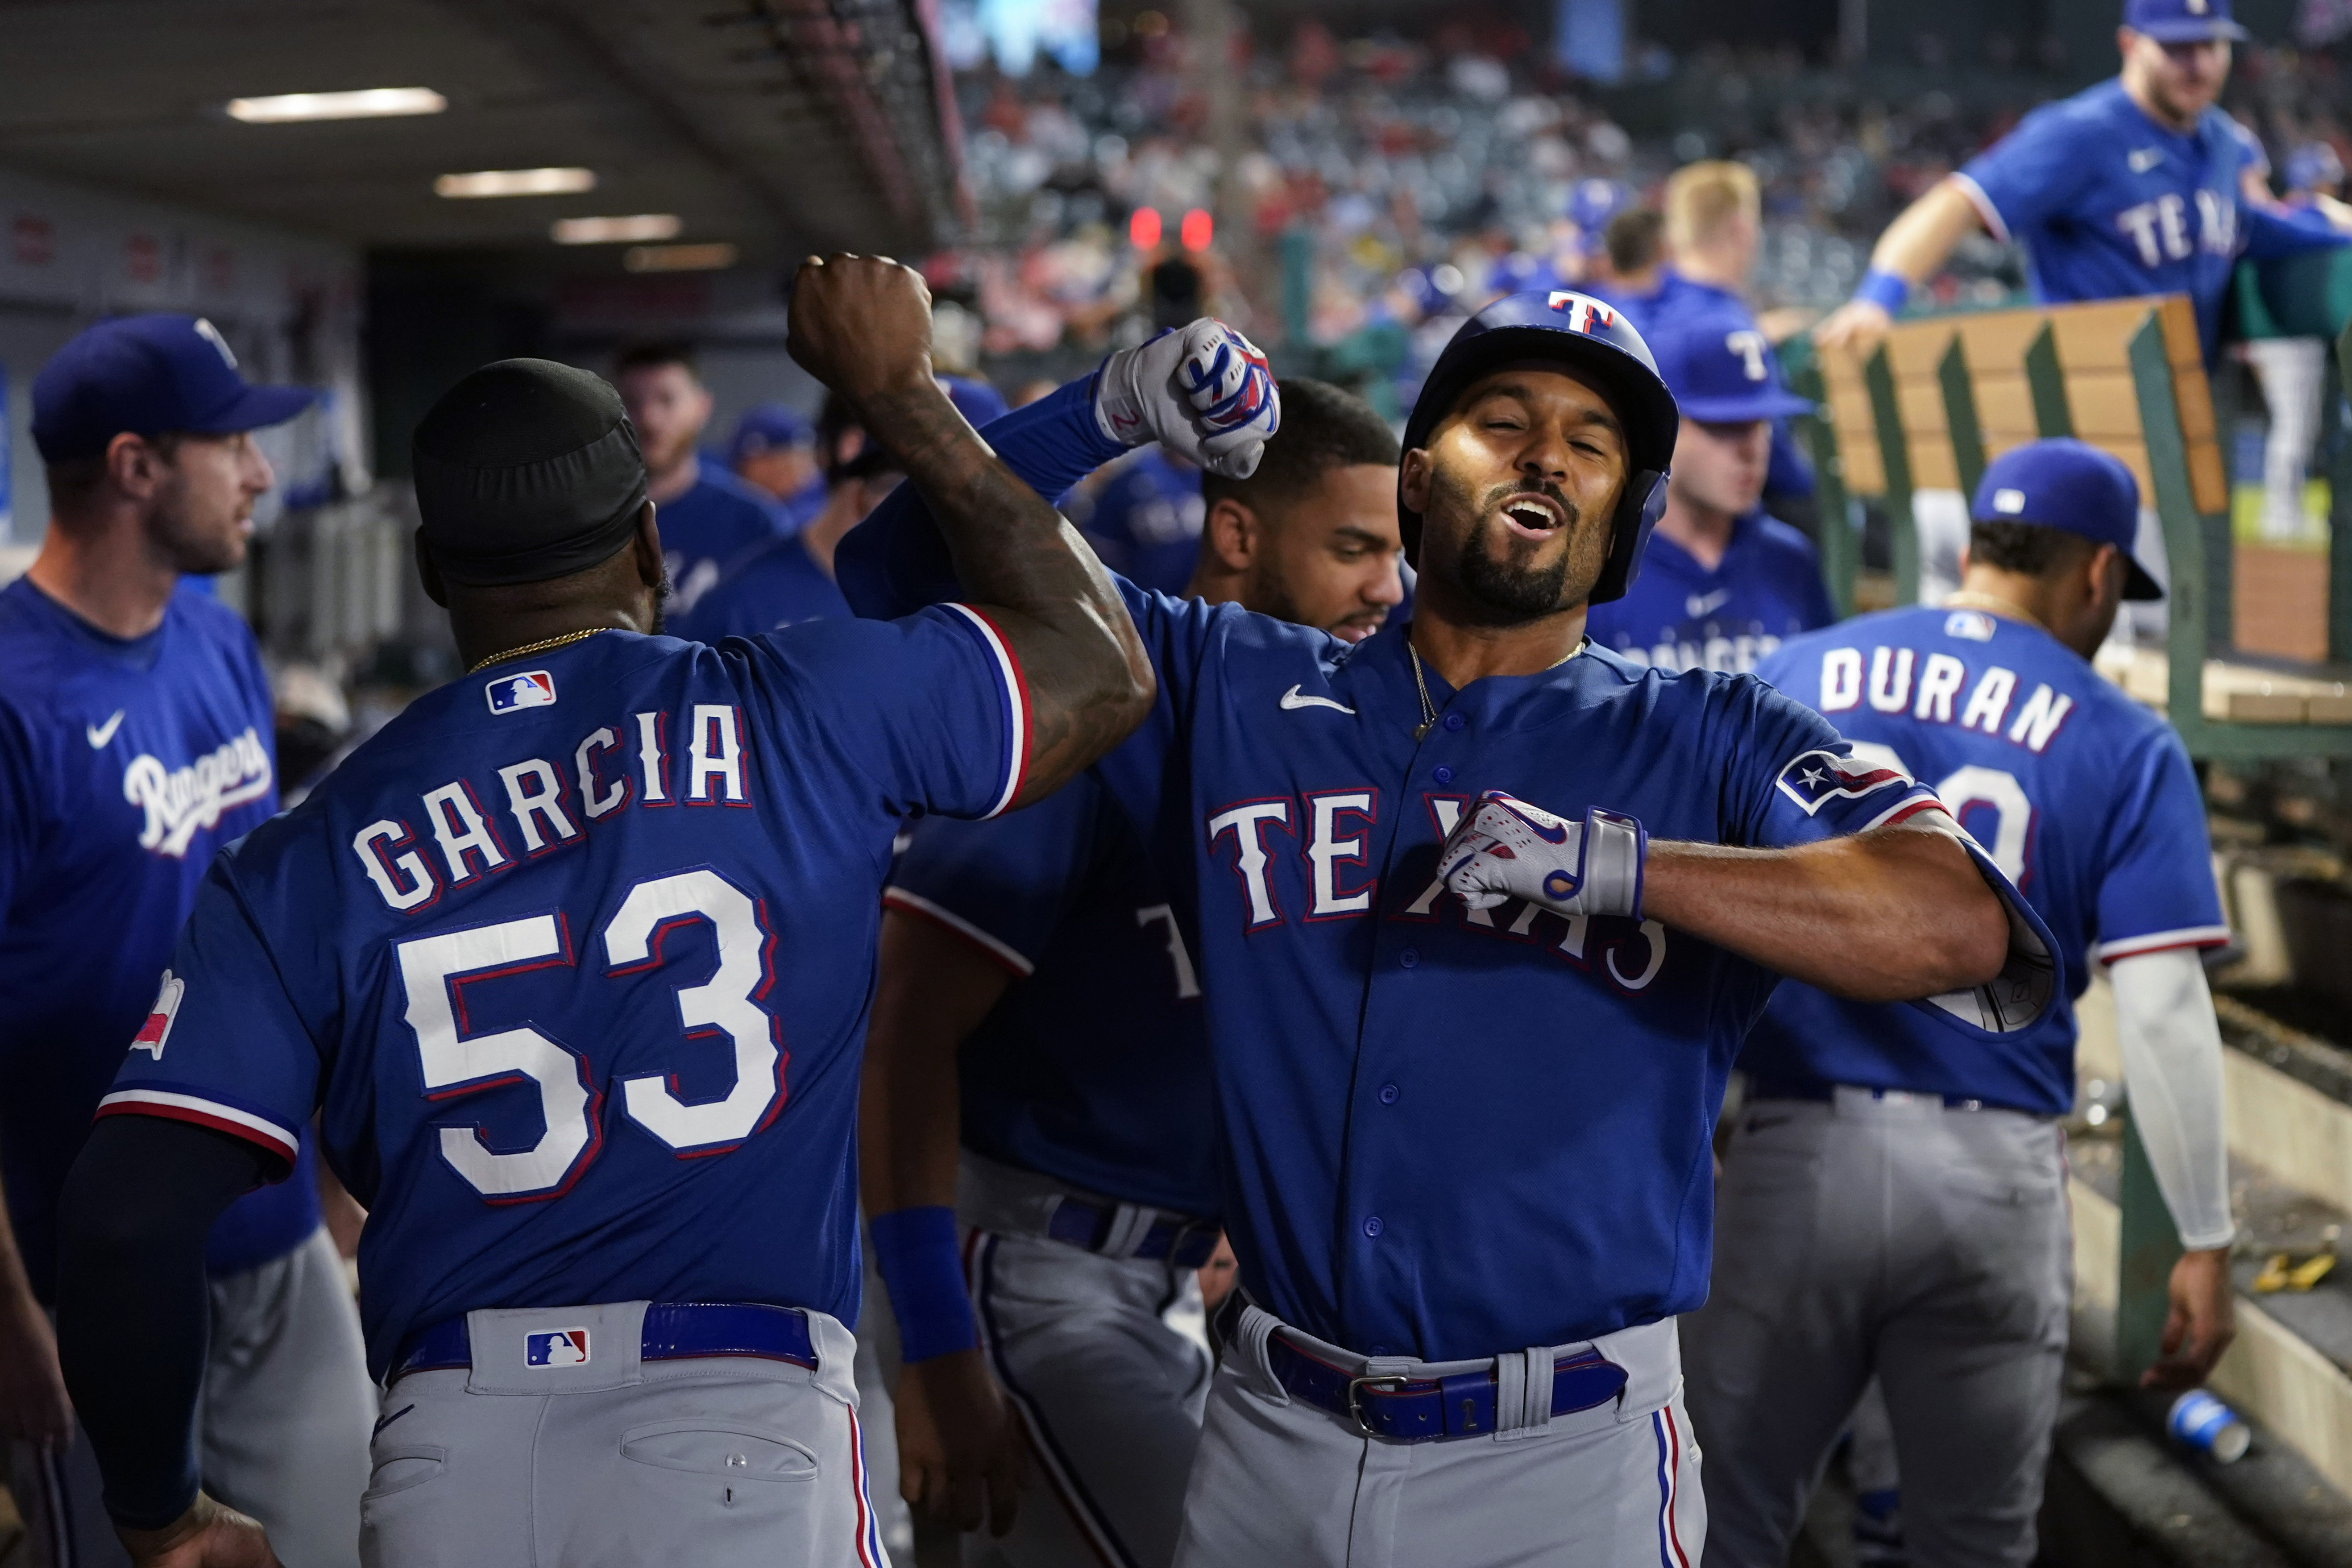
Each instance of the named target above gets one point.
<point>1517,490</point>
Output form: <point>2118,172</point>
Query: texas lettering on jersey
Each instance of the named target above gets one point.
<point>180,802</point>
<point>545,807</point>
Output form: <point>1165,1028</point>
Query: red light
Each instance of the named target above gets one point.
<point>1143,229</point>
<point>1198,228</point>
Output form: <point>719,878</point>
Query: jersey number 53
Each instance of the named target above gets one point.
<point>436,969</point>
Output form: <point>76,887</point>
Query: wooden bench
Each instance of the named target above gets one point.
<point>1944,395</point>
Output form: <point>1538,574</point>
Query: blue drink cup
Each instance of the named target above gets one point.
<point>2204,1423</point>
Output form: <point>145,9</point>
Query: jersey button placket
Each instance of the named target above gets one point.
<point>1372,1227</point>
<point>1388,1094</point>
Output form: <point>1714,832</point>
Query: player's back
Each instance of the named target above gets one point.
<point>2066,782</point>
<point>582,947</point>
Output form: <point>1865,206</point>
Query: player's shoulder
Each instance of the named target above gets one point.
<point>1669,693</point>
<point>1783,543</point>
<point>735,493</point>
<point>2098,110</point>
<point>33,648</point>
<point>203,613</point>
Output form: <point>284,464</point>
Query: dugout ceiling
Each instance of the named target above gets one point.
<point>779,126</point>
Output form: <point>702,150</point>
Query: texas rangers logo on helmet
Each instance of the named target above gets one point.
<point>1813,779</point>
<point>1584,313</point>
<point>556,1347</point>
<point>512,693</point>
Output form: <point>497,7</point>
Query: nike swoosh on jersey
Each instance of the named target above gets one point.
<point>98,735</point>
<point>1291,700</point>
<point>1706,603</point>
<point>2142,159</point>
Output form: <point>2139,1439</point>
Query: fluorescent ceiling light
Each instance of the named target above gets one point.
<point>616,230</point>
<point>515,182</point>
<point>679,258</point>
<point>371,103</point>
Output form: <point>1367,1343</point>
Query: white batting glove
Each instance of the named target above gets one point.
<point>1205,393</point>
<point>1506,848</point>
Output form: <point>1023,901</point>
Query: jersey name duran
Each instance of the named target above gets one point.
<point>574,958</point>
<point>2084,798</point>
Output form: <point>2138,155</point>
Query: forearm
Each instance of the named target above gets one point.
<point>132,1307</point>
<point>895,562</point>
<point>1088,679</point>
<point>1890,915</point>
<point>2171,1050</point>
<point>1918,241</point>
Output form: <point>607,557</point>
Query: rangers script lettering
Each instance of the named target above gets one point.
<point>182,801</point>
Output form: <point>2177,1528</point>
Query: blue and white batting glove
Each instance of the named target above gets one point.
<point>1506,848</point>
<point>1204,392</point>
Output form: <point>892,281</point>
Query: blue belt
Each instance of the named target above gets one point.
<point>1185,1243</point>
<point>674,1331</point>
<point>1422,1409</point>
<point>1821,1091</point>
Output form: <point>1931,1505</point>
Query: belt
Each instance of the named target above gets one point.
<point>680,1330</point>
<point>1821,1091</point>
<point>1089,1226</point>
<point>1423,1409</point>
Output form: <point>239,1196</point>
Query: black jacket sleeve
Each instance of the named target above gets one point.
<point>132,1309</point>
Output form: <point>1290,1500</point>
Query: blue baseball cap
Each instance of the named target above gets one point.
<point>144,375</point>
<point>2073,487</point>
<point>1721,369</point>
<point>2182,21</point>
<point>2312,166</point>
<point>1591,204</point>
<point>979,402</point>
<point>770,427</point>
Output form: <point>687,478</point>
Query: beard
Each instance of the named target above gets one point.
<point>1514,590</point>
<point>1505,582</point>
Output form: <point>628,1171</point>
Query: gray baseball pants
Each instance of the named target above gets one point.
<point>1109,1392</point>
<point>283,1424</point>
<point>1279,1481</point>
<point>1884,1233</point>
<point>616,1462</point>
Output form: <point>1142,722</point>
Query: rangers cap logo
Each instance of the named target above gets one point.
<point>1584,312</point>
<point>512,693</point>
<point>556,1347</point>
<point>158,1027</point>
<point>1813,779</point>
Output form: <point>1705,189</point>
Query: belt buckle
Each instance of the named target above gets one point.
<point>1355,1411</point>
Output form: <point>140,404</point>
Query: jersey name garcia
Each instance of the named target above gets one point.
<point>2084,798</point>
<point>572,960</point>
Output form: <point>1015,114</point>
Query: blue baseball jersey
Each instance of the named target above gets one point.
<point>124,764</point>
<point>2084,798</point>
<point>1447,1133</point>
<point>2107,204</point>
<point>1678,615</point>
<point>1146,520</point>
<point>1093,1067</point>
<point>777,583</point>
<point>572,960</point>
<point>719,519</point>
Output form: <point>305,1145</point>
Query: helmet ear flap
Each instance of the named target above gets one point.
<point>1638,511</point>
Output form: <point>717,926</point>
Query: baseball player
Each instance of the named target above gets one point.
<point>1894,1201</point>
<point>775,448</point>
<point>1038,962</point>
<point>1466,1100</point>
<point>2292,371</point>
<point>781,582</point>
<point>2137,185</point>
<point>1722,583</point>
<point>136,740</point>
<point>709,516</point>
<point>572,959</point>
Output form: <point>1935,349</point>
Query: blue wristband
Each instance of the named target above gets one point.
<point>918,1254</point>
<point>1889,292</point>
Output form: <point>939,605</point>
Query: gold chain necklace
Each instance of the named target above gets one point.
<point>1969,599</point>
<point>540,647</point>
<point>1428,709</point>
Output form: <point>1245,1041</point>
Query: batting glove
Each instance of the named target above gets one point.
<point>1506,848</point>
<point>1205,393</point>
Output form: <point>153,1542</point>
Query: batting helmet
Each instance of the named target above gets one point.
<point>1593,342</point>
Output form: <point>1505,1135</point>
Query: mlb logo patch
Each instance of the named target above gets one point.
<point>1816,778</point>
<point>158,1027</point>
<point>512,693</point>
<point>556,1347</point>
<point>1973,624</point>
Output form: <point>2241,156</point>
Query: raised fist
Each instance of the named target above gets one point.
<point>861,325</point>
<point>1205,393</point>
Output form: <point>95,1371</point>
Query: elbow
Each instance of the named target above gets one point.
<point>1973,948</point>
